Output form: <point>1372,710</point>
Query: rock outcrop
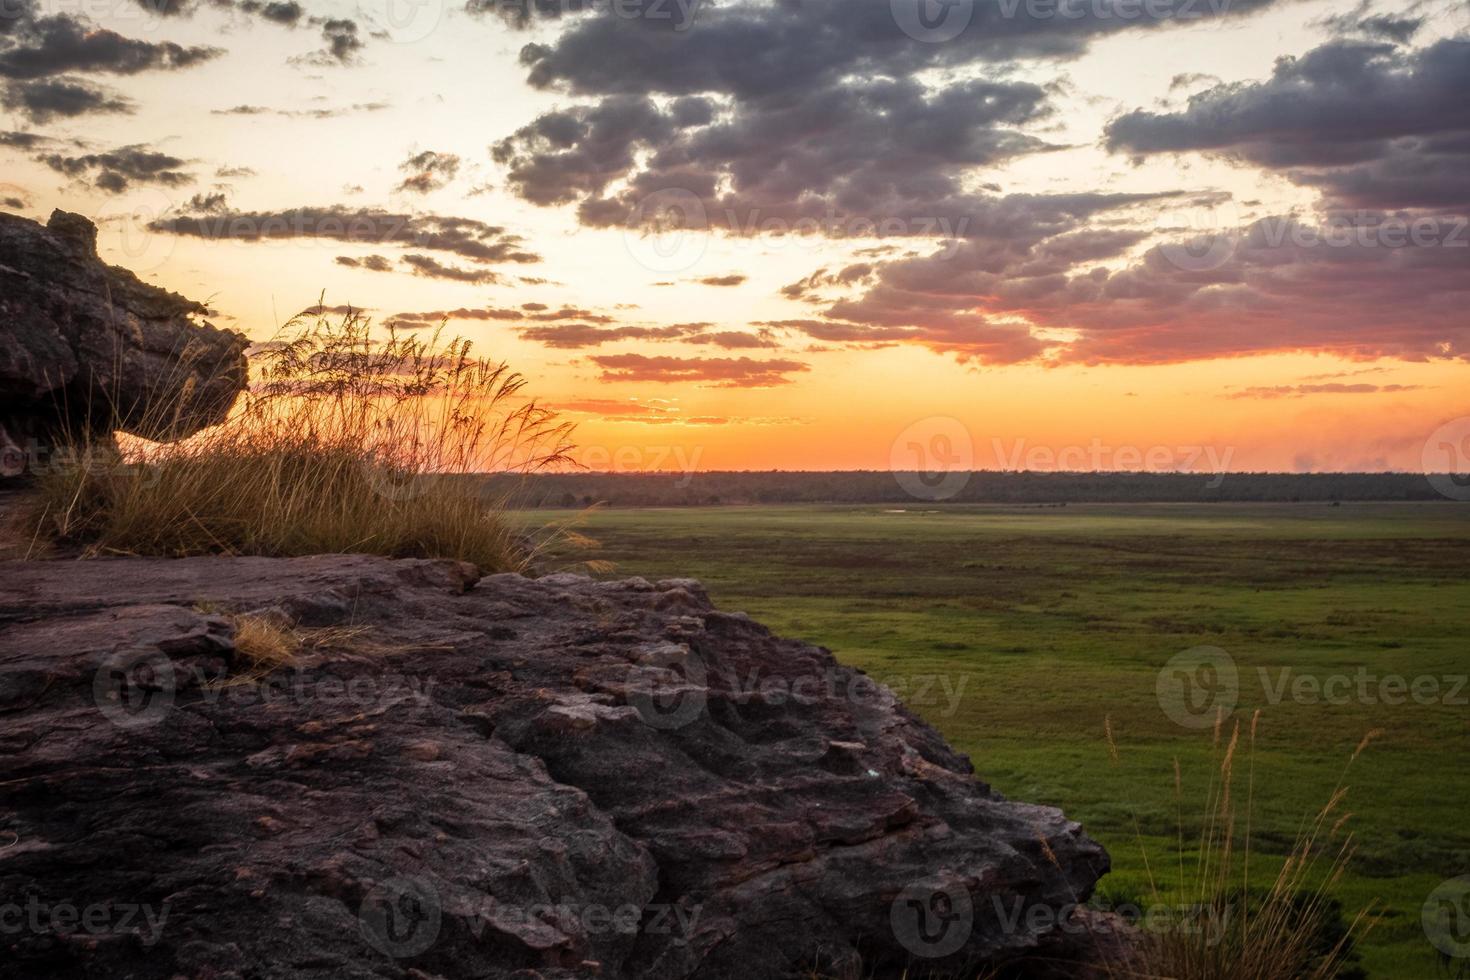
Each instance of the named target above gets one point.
<point>83,343</point>
<point>505,777</point>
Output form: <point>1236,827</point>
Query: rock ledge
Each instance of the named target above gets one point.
<point>505,777</point>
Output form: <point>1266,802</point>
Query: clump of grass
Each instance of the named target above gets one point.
<point>1229,928</point>
<point>268,640</point>
<point>350,439</point>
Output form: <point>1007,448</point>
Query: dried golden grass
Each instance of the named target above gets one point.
<point>349,439</point>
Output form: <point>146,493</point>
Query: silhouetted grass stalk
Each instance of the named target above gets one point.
<point>1271,934</point>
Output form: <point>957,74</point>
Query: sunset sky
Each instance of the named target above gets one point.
<point>812,233</point>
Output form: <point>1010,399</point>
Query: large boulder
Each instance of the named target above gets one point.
<point>85,344</point>
<point>511,777</point>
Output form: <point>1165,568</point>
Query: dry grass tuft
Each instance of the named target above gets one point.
<point>265,641</point>
<point>350,439</point>
<point>268,640</point>
<point>1230,929</point>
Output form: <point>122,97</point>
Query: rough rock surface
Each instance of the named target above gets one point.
<point>80,338</point>
<point>511,777</point>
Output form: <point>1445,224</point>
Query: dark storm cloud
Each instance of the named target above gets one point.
<point>719,372</point>
<point>1361,286</point>
<point>428,171</point>
<point>41,100</point>
<point>464,237</point>
<point>115,170</point>
<point>37,47</point>
<point>1382,269</point>
<point>879,148</point>
<point>792,111</point>
<point>1348,117</point>
<point>754,50</point>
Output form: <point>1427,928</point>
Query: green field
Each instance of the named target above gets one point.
<point>1016,631</point>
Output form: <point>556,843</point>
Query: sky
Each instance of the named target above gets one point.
<point>813,234</point>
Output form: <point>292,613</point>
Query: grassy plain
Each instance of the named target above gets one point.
<point>1017,630</point>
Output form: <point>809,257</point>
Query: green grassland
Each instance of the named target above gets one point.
<point>1016,631</point>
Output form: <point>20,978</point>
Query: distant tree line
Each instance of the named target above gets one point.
<point>985,486</point>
